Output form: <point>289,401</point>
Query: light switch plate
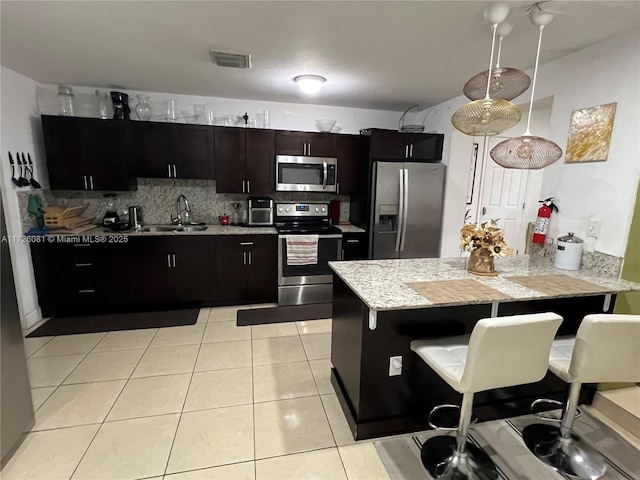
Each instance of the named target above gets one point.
<point>395,366</point>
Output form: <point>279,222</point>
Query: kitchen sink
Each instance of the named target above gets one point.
<point>173,228</point>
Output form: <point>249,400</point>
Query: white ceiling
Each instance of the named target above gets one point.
<point>383,55</point>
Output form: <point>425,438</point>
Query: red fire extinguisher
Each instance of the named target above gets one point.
<point>542,222</point>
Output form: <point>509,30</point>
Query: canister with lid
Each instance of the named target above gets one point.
<point>568,252</point>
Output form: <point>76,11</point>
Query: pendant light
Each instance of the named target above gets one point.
<point>529,151</point>
<point>507,83</point>
<point>488,116</point>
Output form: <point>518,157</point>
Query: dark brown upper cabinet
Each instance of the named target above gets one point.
<point>348,154</point>
<point>87,154</point>
<point>393,145</point>
<point>305,143</point>
<point>168,150</point>
<point>245,160</point>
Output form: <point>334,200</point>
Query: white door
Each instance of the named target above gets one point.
<point>503,194</point>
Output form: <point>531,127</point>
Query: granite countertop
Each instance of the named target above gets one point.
<point>211,230</point>
<point>381,284</point>
<point>350,229</point>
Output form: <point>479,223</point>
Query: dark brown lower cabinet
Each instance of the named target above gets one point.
<point>354,246</point>
<point>247,269</point>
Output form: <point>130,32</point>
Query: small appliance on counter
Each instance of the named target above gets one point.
<point>260,212</point>
<point>568,252</point>
<point>111,214</point>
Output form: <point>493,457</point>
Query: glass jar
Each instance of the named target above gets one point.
<point>65,101</point>
<point>143,109</point>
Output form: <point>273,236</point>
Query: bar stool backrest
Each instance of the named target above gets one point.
<point>506,351</point>
<point>607,349</point>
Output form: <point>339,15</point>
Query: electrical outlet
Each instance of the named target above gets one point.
<point>593,229</point>
<point>395,366</point>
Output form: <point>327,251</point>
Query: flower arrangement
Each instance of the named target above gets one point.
<point>487,236</point>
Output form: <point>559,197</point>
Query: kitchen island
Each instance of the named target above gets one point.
<point>379,306</point>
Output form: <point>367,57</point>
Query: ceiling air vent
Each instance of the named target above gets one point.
<point>233,60</point>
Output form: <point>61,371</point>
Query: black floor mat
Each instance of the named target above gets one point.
<point>289,313</point>
<point>116,321</point>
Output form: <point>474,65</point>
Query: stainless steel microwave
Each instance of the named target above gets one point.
<point>306,174</point>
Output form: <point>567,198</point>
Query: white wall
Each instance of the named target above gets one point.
<point>22,97</point>
<point>609,72</point>
<point>20,133</point>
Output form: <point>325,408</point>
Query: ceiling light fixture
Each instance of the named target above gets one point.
<point>488,116</point>
<point>507,83</point>
<point>310,84</point>
<point>528,151</point>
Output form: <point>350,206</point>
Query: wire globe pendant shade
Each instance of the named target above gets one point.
<point>528,151</point>
<point>506,83</point>
<point>487,116</point>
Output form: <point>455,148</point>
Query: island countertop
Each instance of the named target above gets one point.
<point>382,284</point>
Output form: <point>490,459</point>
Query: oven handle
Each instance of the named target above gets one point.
<point>325,174</point>
<point>400,208</point>
<point>320,236</point>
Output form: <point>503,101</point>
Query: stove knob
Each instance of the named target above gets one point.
<point>280,209</point>
<point>324,209</point>
<point>286,209</point>
<point>317,209</point>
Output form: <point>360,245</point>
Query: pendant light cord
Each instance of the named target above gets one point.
<point>499,51</point>
<point>493,44</point>
<point>533,85</point>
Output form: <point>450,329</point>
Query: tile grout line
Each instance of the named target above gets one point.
<point>253,406</point>
<point>112,405</point>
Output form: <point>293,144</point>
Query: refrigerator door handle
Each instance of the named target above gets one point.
<point>405,212</point>
<point>400,208</point>
<point>324,174</point>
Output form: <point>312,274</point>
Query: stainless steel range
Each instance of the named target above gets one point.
<point>307,242</point>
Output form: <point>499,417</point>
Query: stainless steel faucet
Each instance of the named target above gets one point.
<point>182,216</point>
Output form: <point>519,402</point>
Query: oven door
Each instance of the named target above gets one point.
<point>306,174</point>
<point>329,249</point>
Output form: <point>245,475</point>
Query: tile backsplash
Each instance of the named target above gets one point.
<point>158,196</point>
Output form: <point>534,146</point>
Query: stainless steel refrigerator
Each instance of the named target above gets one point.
<point>406,209</point>
<point>16,409</point>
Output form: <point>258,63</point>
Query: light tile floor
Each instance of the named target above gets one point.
<point>208,401</point>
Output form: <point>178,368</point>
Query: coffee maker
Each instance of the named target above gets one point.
<point>121,108</point>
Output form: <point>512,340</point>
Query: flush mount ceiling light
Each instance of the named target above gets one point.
<point>488,116</point>
<point>506,82</point>
<point>310,84</point>
<point>528,151</point>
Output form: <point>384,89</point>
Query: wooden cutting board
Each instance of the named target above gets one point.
<point>456,291</point>
<point>557,284</point>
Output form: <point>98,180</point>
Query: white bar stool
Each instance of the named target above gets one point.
<point>606,348</point>
<point>501,352</point>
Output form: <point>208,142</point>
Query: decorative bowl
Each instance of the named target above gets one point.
<point>325,125</point>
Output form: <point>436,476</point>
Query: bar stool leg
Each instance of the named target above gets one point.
<point>561,449</point>
<point>448,458</point>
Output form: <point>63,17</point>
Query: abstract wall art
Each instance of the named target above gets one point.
<point>590,134</point>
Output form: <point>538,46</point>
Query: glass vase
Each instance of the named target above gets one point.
<point>143,109</point>
<point>481,263</point>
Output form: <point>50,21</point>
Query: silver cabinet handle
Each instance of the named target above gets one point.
<point>246,243</point>
<point>174,259</point>
<point>243,186</point>
<point>309,149</point>
<point>406,151</point>
<point>83,264</point>
<point>85,182</point>
<point>411,151</point>
<point>175,172</point>
<point>168,260</point>
<point>400,207</point>
<point>91,180</point>
<point>249,258</point>
<point>304,149</point>
<point>244,258</point>
<point>169,169</point>
<point>248,186</point>
<point>342,254</point>
<point>87,290</point>
<point>353,240</point>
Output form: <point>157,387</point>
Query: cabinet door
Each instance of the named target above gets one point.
<point>321,145</point>
<point>427,146</point>
<point>63,149</point>
<point>262,284</point>
<point>192,151</point>
<point>151,279</point>
<point>354,246</point>
<point>195,272</point>
<point>389,144</point>
<point>106,154</point>
<point>290,143</point>
<point>348,154</point>
<point>150,149</point>
<point>260,161</point>
<point>230,159</point>
<point>231,269</point>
